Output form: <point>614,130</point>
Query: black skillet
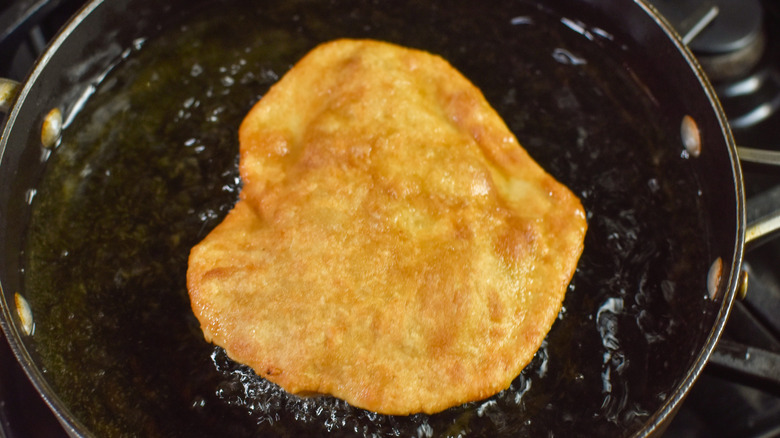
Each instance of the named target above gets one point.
<point>96,226</point>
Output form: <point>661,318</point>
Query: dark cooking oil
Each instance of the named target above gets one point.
<point>149,166</point>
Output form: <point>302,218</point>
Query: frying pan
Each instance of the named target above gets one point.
<point>95,225</point>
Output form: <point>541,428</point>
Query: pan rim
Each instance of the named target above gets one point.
<point>660,419</point>
<point>8,323</point>
<point>75,428</point>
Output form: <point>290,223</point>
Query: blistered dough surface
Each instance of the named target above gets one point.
<point>394,245</point>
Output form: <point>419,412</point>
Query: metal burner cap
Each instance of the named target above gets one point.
<point>737,26</point>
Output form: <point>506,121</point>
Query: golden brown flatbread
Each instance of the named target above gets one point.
<point>393,245</point>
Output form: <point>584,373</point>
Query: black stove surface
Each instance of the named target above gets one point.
<point>23,414</point>
<point>719,405</point>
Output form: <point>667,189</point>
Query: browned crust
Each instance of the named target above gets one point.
<point>394,246</point>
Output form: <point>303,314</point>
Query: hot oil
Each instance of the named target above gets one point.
<point>149,167</point>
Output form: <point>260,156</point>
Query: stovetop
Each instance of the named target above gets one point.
<point>721,404</point>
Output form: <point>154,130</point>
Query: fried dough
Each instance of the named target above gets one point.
<point>393,245</point>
